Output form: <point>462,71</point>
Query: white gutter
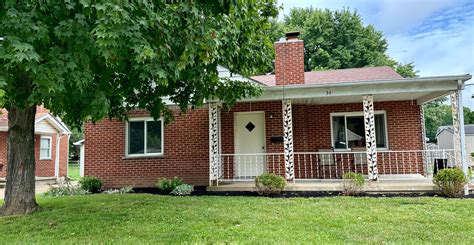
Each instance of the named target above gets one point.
<point>374,82</point>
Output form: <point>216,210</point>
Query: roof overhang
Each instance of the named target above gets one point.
<point>55,122</point>
<point>420,89</point>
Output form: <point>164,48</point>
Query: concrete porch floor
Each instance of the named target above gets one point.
<point>412,185</point>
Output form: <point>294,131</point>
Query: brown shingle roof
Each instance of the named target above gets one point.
<point>339,76</point>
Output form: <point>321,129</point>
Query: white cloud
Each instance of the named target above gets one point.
<point>401,16</point>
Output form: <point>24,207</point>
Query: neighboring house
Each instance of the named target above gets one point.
<point>445,137</point>
<point>51,144</point>
<point>306,125</point>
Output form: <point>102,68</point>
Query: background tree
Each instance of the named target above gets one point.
<point>439,113</point>
<point>339,40</point>
<point>90,59</point>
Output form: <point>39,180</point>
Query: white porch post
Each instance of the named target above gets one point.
<point>369,121</point>
<point>288,140</point>
<point>214,143</point>
<point>459,135</point>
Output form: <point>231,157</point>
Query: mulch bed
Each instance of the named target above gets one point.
<point>201,191</point>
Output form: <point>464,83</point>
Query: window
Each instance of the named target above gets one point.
<point>144,137</point>
<point>348,130</point>
<point>45,148</point>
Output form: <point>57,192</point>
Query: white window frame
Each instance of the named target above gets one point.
<point>50,147</point>
<point>144,119</point>
<point>352,114</point>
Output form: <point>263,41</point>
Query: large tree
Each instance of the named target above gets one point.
<point>338,40</point>
<point>90,59</point>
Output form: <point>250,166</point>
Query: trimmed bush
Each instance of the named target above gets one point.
<point>268,184</point>
<point>91,184</point>
<point>352,183</point>
<point>169,184</point>
<point>183,190</point>
<point>450,182</point>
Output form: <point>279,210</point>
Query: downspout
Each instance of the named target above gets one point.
<point>56,162</point>
<point>67,154</point>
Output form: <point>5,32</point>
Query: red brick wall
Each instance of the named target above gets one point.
<point>289,62</point>
<point>3,154</point>
<point>186,152</point>
<point>63,155</point>
<point>186,140</point>
<point>44,168</point>
<point>312,131</point>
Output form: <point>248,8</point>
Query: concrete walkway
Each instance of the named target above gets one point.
<point>41,187</point>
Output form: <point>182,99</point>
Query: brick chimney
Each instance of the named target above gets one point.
<point>289,60</point>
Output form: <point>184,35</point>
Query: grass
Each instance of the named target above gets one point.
<point>73,171</point>
<point>132,218</point>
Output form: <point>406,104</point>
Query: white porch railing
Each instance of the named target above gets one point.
<point>332,165</point>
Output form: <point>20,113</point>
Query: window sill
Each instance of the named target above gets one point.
<point>142,157</point>
<point>45,159</point>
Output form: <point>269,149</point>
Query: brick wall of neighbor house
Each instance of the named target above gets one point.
<point>44,168</point>
<point>186,152</point>
<point>63,155</point>
<point>3,154</point>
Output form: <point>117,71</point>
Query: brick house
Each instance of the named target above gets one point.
<point>305,126</point>
<point>51,144</point>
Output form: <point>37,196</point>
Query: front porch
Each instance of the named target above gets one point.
<point>312,135</point>
<point>324,166</point>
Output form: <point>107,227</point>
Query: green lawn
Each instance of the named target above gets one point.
<point>73,171</point>
<point>134,218</point>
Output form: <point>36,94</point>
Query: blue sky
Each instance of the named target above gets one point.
<point>438,35</point>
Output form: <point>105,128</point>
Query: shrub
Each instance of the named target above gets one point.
<point>268,184</point>
<point>169,184</point>
<point>65,188</point>
<point>91,184</point>
<point>450,182</point>
<point>183,190</point>
<point>352,183</point>
<point>123,190</point>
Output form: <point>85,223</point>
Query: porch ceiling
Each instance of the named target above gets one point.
<point>421,90</point>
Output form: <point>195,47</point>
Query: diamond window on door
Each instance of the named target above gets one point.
<point>250,126</point>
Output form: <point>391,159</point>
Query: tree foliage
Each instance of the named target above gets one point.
<point>339,40</point>
<point>90,59</point>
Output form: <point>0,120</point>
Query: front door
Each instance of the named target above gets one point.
<point>249,131</point>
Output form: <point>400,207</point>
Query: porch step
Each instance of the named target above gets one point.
<point>382,186</point>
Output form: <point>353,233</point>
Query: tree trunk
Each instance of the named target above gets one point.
<point>20,184</point>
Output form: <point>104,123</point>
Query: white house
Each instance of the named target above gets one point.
<point>445,137</point>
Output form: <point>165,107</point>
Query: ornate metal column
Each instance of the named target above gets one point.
<point>214,143</point>
<point>459,134</point>
<point>369,121</point>
<point>288,140</point>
